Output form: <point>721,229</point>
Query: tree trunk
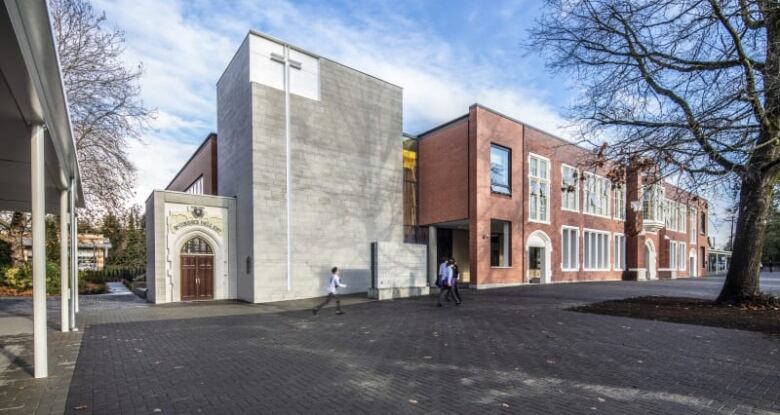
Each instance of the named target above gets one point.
<point>742,280</point>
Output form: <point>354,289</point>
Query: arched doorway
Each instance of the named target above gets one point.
<point>650,261</point>
<point>538,252</point>
<point>693,269</point>
<point>197,270</point>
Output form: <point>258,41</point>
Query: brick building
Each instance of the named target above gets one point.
<point>516,205</point>
<point>310,169</point>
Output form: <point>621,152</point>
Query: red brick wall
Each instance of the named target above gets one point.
<point>489,128</point>
<point>203,162</point>
<point>443,174</point>
<point>561,152</point>
<point>455,185</point>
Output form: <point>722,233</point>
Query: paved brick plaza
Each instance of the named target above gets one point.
<point>509,350</point>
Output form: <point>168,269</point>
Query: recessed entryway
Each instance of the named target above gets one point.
<point>539,251</point>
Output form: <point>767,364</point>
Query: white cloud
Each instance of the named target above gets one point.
<point>157,159</point>
<point>185,47</point>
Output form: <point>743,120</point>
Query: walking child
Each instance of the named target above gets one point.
<point>333,287</point>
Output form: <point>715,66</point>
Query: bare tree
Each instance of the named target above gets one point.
<point>105,108</point>
<point>103,95</point>
<point>691,84</point>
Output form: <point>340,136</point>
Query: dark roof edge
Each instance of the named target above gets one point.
<point>200,147</point>
<point>441,126</point>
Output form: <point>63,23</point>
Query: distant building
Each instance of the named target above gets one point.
<point>92,254</point>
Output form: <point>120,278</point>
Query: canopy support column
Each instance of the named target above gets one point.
<point>40,346</point>
<point>64,256</point>
<point>74,259</point>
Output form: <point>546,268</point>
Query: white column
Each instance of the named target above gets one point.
<point>39,253</point>
<point>64,225</point>
<point>433,260</point>
<point>287,162</point>
<point>74,272</point>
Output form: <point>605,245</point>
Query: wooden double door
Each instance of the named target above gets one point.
<point>197,277</point>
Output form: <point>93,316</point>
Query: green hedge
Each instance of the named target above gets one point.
<point>112,273</point>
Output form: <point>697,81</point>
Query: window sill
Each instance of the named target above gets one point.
<point>596,215</point>
<point>596,269</point>
<point>539,221</point>
<point>570,270</point>
<point>563,209</point>
<point>502,194</point>
<point>500,267</point>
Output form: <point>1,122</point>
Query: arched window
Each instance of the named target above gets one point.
<point>196,246</point>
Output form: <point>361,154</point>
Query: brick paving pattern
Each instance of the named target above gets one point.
<point>513,350</point>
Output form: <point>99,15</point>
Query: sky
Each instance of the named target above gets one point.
<point>446,55</point>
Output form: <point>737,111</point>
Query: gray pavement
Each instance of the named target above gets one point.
<point>514,350</point>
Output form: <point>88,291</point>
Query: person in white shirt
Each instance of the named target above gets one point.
<point>446,284</point>
<point>442,270</point>
<point>333,287</point>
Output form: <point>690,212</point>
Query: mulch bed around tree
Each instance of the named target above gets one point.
<point>764,318</point>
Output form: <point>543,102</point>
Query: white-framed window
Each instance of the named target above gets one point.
<point>620,203</point>
<point>620,252</point>
<point>672,254</point>
<point>570,248</point>
<point>596,252</point>
<point>681,253</point>
<point>570,188</point>
<point>196,188</point>
<point>675,216</point>
<point>653,205</point>
<point>500,169</point>
<point>692,223</point>
<point>538,188</point>
<point>596,195</point>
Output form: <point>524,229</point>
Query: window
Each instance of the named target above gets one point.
<point>596,250</point>
<point>620,252</point>
<point>672,254</point>
<point>653,204</point>
<point>570,188</point>
<point>692,222</point>
<point>196,188</point>
<point>500,169</point>
<point>539,188</point>
<point>675,216</point>
<point>681,256</point>
<point>500,241</point>
<point>196,246</point>
<point>596,195</point>
<point>703,224</point>
<point>703,257</point>
<point>570,249</point>
<point>620,203</point>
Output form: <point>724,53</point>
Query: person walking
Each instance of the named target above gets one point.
<point>333,287</point>
<point>446,283</point>
<point>454,292</point>
<point>442,270</point>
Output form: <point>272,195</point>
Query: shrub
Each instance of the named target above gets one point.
<point>18,278</point>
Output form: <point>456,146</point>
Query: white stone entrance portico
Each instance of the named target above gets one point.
<point>178,219</point>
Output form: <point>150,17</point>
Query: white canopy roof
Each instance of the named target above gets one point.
<point>31,92</point>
